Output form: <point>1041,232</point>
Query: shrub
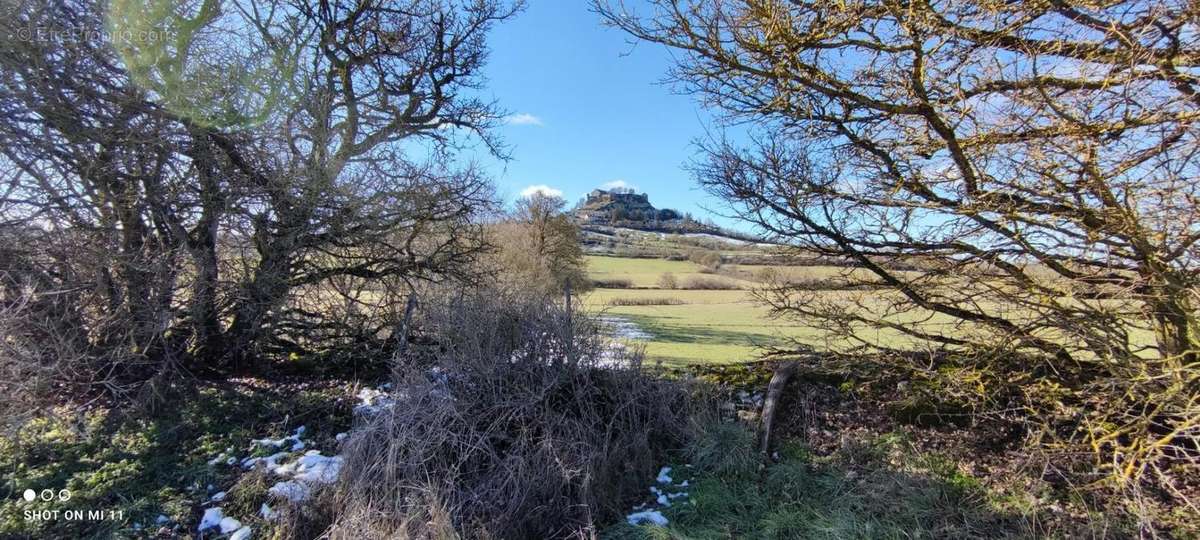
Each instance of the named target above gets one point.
<point>648,301</point>
<point>708,260</point>
<point>707,283</point>
<point>767,275</point>
<point>668,281</point>
<point>511,439</point>
<point>612,283</point>
<point>723,448</point>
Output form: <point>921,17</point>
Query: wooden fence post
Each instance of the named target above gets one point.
<point>778,382</point>
<point>402,345</point>
<point>570,345</point>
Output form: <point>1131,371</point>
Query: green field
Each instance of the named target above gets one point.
<point>709,326</point>
<point>644,273</point>
<point>721,326</point>
<point>728,326</point>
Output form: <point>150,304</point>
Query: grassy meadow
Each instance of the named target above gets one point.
<point>699,326</point>
<point>722,326</point>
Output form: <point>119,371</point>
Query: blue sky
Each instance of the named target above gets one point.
<point>589,108</point>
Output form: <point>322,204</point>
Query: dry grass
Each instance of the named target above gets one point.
<point>513,435</point>
<point>708,284</point>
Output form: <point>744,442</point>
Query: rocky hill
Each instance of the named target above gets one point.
<point>623,221</point>
<point>611,207</point>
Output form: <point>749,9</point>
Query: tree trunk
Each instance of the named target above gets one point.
<point>1175,328</point>
<point>266,291</point>
<point>206,323</point>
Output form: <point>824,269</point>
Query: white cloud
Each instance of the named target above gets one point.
<point>543,189</point>
<point>617,184</point>
<point>523,119</point>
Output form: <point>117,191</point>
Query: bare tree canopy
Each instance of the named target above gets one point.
<point>1000,140</point>
<point>162,220</point>
<point>542,245</point>
<point>1036,162</point>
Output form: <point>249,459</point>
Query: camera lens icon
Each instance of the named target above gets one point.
<point>47,494</point>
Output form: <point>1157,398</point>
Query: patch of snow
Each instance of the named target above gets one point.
<point>292,491</point>
<point>728,240</point>
<point>162,518</point>
<point>340,437</point>
<point>271,462</point>
<point>267,512</point>
<point>660,497</point>
<point>241,534</point>
<point>664,475</point>
<point>225,457</point>
<point>683,483</point>
<point>229,525</point>
<point>294,439</point>
<point>212,518</point>
<point>313,467</point>
<point>648,516</point>
<point>271,442</point>
<point>372,401</point>
<point>622,328</point>
<point>707,236</point>
<point>614,355</point>
<point>218,496</point>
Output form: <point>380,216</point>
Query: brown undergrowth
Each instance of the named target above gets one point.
<point>1054,494</point>
<point>526,427</point>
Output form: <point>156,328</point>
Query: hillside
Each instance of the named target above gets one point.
<point>622,222</point>
<point>623,208</point>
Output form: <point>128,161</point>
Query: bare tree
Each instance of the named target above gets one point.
<point>342,196</point>
<point>540,246</point>
<point>164,233</point>
<point>89,165</point>
<point>1037,161</point>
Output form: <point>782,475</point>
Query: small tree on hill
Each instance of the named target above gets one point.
<point>541,245</point>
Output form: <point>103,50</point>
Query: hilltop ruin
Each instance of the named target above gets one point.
<point>603,207</point>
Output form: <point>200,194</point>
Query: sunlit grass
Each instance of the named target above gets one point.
<point>145,466</point>
<point>729,326</point>
<point>879,488</point>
